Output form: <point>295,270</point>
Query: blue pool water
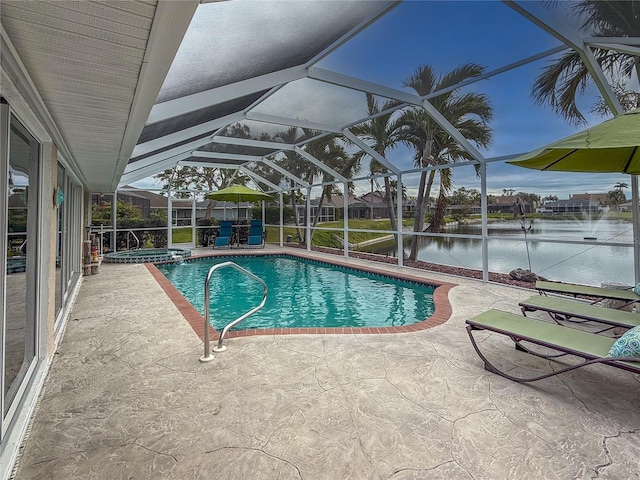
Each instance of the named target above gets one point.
<point>302,294</point>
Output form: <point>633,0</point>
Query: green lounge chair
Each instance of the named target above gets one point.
<point>592,348</point>
<point>563,309</point>
<point>584,290</point>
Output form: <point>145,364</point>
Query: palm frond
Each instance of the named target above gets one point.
<point>460,74</point>
<point>548,87</point>
<point>567,77</point>
<point>423,80</point>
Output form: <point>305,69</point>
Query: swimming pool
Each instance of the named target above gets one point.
<point>303,294</point>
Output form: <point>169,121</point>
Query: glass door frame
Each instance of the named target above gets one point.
<point>35,323</point>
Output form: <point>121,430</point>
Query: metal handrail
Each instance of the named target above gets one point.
<point>130,232</point>
<point>207,357</point>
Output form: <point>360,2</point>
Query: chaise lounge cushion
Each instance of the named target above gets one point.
<point>628,345</point>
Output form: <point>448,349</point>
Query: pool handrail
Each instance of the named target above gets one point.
<point>130,232</point>
<point>207,357</point>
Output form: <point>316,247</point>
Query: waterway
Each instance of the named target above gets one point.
<point>580,262</point>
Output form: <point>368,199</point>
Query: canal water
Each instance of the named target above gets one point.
<point>581,262</point>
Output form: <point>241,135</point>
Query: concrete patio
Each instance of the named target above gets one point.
<point>127,398</point>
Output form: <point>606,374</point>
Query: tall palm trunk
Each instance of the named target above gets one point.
<point>417,216</point>
<point>294,207</point>
<point>438,216</point>
<point>390,206</point>
<point>421,211</point>
<point>470,113</point>
<point>424,191</point>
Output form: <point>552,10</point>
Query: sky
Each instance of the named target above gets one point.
<point>446,35</point>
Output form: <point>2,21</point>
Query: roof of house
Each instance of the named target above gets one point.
<point>505,199</point>
<point>595,197</point>
<point>155,200</point>
<point>372,197</point>
<point>572,203</point>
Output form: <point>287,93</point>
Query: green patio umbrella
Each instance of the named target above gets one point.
<point>611,147</point>
<point>237,194</point>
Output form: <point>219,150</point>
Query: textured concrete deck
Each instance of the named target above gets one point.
<point>126,398</point>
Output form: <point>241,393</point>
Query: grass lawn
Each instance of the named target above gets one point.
<point>328,238</point>
<point>181,235</point>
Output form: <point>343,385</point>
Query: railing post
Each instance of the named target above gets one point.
<point>207,357</point>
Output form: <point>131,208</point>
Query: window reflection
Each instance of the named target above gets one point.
<point>19,347</point>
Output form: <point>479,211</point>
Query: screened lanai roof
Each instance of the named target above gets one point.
<point>234,60</point>
<point>260,68</point>
<point>132,89</point>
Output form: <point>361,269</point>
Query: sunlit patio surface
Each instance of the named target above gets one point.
<point>127,398</point>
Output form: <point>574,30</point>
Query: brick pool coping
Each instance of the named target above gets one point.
<point>441,314</point>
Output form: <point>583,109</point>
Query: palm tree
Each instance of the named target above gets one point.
<point>330,151</point>
<point>381,134</point>
<point>620,186</point>
<point>296,165</point>
<point>617,196</point>
<point>327,149</point>
<point>394,190</point>
<point>567,77</point>
<point>468,112</point>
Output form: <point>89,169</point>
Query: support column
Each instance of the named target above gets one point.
<point>194,230</point>
<point>281,218</point>
<point>400,245</point>
<point>47,229</point>
<point>345,218</point>
<point>169,220</point>
<point>485,228</point>
<point>5,120</point>
<point>114,220</point>
<point>308,226</point>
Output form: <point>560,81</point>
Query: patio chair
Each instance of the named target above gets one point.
<point>224,235</point>
<point>598,293</point>
<point>563,309</point>
<point>256,234</point>
<point>591,347</point>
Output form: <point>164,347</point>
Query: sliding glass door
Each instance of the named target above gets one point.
<point>20,230</point>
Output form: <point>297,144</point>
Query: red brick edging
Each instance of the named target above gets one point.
<point>441,313</point>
